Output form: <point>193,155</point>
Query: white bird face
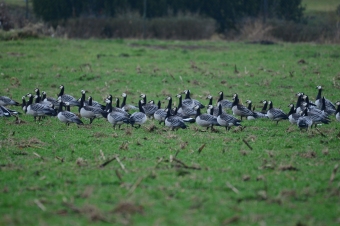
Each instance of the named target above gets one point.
<point>83,91</point>
<point>168,98</point>
<point>337,103</point>
<point>151,102</point>
<point>248,101</point>
<point>142,101</point>
<point>67,103</point>
<point>319,87</point>
<point>220,93</point>
<point>264,101</point>
<point>124,95</point>
<point>28,95</point>
<point>107,101</point>
<point>178,95</point>
<point>23,97</point>
<point>304,97</point>
<point>142,95</point>
<point>61,86</point>
<point>36,90</point>
<point>210,106</point>
<point>36,96</point>
<point>89,98</point>
<point>209,97</point>
<point>43,92</point>
<point>269,102</point>
<point>291,105</point>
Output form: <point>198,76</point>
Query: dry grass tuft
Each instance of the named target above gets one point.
<point>231,220</point>
<point>151,128</point>
<point>81,162</point>
<point>287,168</point>
<point>126,208</point>
<point>99,135</point>
<point>245,177</point>
<point>128,131</point>
<point>243,152</point>
<point>124,146</point>
<point>309,154</point>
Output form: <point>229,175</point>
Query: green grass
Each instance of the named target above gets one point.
<point>320,6</point>
<point>284,180</point>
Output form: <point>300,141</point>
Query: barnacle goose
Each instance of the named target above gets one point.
<point>4,101</point>
<point>37,109</point>
<point>299,102</point>
<point>304,121</point>
<point>68,98</point>
<point>116,117</point>
<point>226,120</point>
<point>49,100</point>
<point>109,107</point>
<point>67,116</point>
<point>160,114</point>
<point>259,114</point>
<point>215,109</point>
<point>224,102</point>
<point>149,108</point>
<point>292,115</point>
<point>140,117</point>
<point>125,106</point>
<point>337,113</point>
<point>275,114</point>
<point>90,112</point>
<point>318,102</point>
<point>327,108</point>
<point>190,102</point>
<point>318,116</point>
<point>94,103</point>
<point>241,110</point>
<point>173,121</point>
<point>309,105</point>
<point>186,111</point>
<point>205,120</point>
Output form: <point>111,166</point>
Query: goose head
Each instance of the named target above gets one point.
<point>319,87</point>
<point>83,91</point>
<point>142,95</point>
<point>61,87</point>
<point>248,101</point>
<point>124,95</point>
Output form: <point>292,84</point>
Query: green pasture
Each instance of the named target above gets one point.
<point>53,174</point>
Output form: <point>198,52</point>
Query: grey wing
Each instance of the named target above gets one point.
<point>226,104</point>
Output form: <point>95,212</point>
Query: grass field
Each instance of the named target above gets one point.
<point>51,173</point>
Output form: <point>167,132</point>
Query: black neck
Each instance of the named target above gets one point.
<point>123,102</point>
<point>37,92</point>
<point>83,96</point>
<point>221,97</point>
<point>219,109</point>
<point>187,95</point>
<point>210,101</point>
<point>179,102</point>
<point>37,100</point>
<point>265,107</point>
<point>140,106</point>
<point>271,105</point>
<point>60,109</point>
<point>61,92</point>
<point>299,100</point>
<point>90,101</point>
<point>337,109</point>
<point>169,103</point>
<point>292,110</point>
<point>117,103</point>
<point>144,99</point>
<point>159,104</point>
<point>44,96</point>
<point>323,107</point>
<point>108,107</point>
<point>249,106</point>
<point>198,112</point>
<point>319,94</point>
<point>236,101</point>
<point>30,100</point>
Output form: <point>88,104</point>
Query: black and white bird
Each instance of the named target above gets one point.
<point>93,103</point>
<point>161,113</point>
<point>138,118</point>
<point>186,111</point>
<point>304,121</point>
<point>205,120</point>
<point>67,117</point>
<point>327,108</point>
<point>188,102</point>
<point>68,98</point>
<point>49,100</point>
<point>149,107</point>
<point>173,121</point>
<point>110,108</point>
<point>318,100</point>
<point>215,109</point>
<point>241,110</point>
<point>5,101</point>
<point>299,103</point>
<point>275,114</point>
<point>259,114</point>
<point>319,117</point>
<point>127,107</point>
<point>91,112</point>
<point>292,115</point>
<point>224,102</point>
<point>4,112</point>
<point>116,117</point>
<point>37,109</point>
<point>337,113</point>
<point>226,120</point>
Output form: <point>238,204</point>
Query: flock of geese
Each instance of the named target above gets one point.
<point>304,114</point>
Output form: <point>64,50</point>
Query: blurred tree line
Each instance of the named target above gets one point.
<point>225,12</point>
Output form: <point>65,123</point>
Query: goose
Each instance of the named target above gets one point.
<point>328,109</point>
<point>304,121</point>
<point>24,104</point>
<point>66,116</point>
<point>37,109</point>
<point>318,102</point>
<point>299,106</point>
<point>94,103</point>
<point>116,117</point>
<point>68,98</point>
<point>190,102</point>
<point>241,110</point>
<point>318,116</point>
<point>215,109</point>
<point>48,100</point>
<point>125,106</point>
<point>275,114</point>
<point>149,108</point>
<point>173,121</point>
<point>224,102</point>
<point>186,111</point>
<point>160,114</point>
<point>309,105</point>
<point>226,120</point>
<point>139,117</point>
<point>108,102</point>
<point>205,120</point>
<point>91,112</point>
<point>4,101</point>
<point>185,118</point>
<point>292,115</point>
<point>259,114</point>
<point>337,113</point>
